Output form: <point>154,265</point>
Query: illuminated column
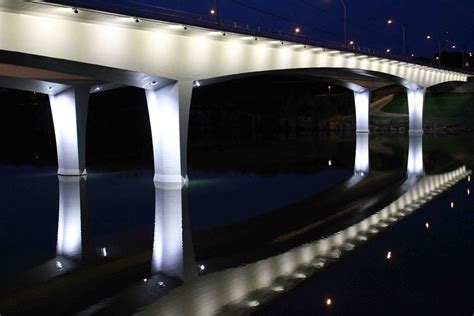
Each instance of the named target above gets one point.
<point>172,246</point>
<point>72,211</point>
<point>415,156</point>
<point>69,109</point>
<point>168,108</point>
<point>416,98</point>
<point>362,164</point>
<point>361,101</point>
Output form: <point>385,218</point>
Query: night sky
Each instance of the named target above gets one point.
<point>323,19</point>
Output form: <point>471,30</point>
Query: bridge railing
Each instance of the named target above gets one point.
<point>154,12</point>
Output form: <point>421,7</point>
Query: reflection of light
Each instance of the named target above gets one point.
<point>145,280</point>
<point>161,284</point>
<point>452,204</point>
<point>59,265</point>
<point>254,303</point>
<point>389,255</point>
<point>103,251</point>
<point>427,225</point>
<point>202,267</point>
<point>328,302</point>
<point>300,276</point>
<point>468,178</point>
<point>278,288</point>
<point>468,191</point>
<point>329,163</point>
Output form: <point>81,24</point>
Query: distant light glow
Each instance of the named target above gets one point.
<point>103,251</point>
<point>300,276</point>
<point>253,303</point>
<point>161,284</point>
<point>328,302</point>
<point>427,225</point>
<point>59,265</point>
<point>197,83</point>
<point>212,11</point>
<point>452,204</point>
<point>351,43</point>
<point>389,255</point>
<point>428,36</point>
<point>468,191</point>
<point>390,21</point>
<point>145,280</point>
<point>468,178</point>
<point>278,288</point>
<point>202,267</point>
<point>388,50</point>
<point>329,163</point>
<point>97,89</point>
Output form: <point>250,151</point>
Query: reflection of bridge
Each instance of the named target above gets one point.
<point>241,287</point>
<point>50,49</point>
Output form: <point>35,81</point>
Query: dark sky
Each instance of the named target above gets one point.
<point>322,19</point>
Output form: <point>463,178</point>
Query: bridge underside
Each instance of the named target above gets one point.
<point>69,84</point>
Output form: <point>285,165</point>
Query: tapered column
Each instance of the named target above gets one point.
<point>416,99</point>
<point>362,163</point>
<point>168,108</point>
<point>415,166</point>
<point>71,237</point>
<point>69,109</point>
<point>172,246</point>
<point>362,102</point>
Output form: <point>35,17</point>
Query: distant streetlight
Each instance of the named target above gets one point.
<point>297,30</point>
<point>389,22</point>
<point>388,50</point>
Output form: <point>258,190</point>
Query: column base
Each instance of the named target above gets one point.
<point>170,179</point>
<point>415,132</point>
<point>366,131</point>
<point>71,172</point>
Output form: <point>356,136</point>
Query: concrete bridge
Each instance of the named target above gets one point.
<point>69,54</point>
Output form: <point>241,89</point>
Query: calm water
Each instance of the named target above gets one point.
<point>256,231</point>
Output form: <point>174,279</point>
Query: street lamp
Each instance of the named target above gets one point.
<point>389,22</point>
<point>428,37</point>
<point>462,54</point>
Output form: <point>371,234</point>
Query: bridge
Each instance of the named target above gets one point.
<point>68,54</point>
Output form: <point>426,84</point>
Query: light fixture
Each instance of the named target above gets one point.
<point>145,280</point>
<point>97,89</point>
<point>256,38</point>
<point>427,225</point>
<point>75,10</point>
<point>329,163</point>
<point>212,11</point>
<point>351,43</point>
<point>103,251</point>
<point>452,204</point>
<point>202,267</point>
<point>278,288</point>
<point>412,55</point>
<point>161,284</point>
<point>390,21</point>
<point>470,54</point>
<point>253,303</point>
<point>468,178</point>
<point>468,191</point>
<point>437,58</point>
<point>197,83</point>
<point>388,50</point>
<point>428,36</point>
<point>389,255</point>
<point>328,302</point>
<point>297,30</point>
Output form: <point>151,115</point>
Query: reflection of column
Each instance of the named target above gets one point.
<point>69,110</point>
<point>415,156</point>
<point>172,247</point>
<point>362,101</point>
<point>72,217</point>
<point>416,99</point>
<point>362,163</point>
<point>168,108</point>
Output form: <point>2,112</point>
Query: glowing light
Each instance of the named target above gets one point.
<point>197,83</point>
<point>328,302</point>
<point>390,21</point>
<point>351,43</point>
<point>427,225</point>
<point>253,303</point>
<point>452,204</point>
<point>103,251</point>
<point>161,284</point>
<point>468,178</point>
<point>389,255</point>
<point>388,50</point>
<point>202,267</point>
<point>145,280</point>
<point>468,192</point>
<point>329,163</point>
<point>300,276</point>
<point>412,55</point>
<point>278,288</point>
<point>97,89</point>
<point>59,265</point>
<point>428,36</point>
<point>212,11</point>
<point>437,58</point>
<point>454,46</point>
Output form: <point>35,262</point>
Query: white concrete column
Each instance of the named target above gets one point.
<point>69,109</point>
<point>416,99</point>
<point>362,162</point>
<point>168,108</point>
<point>415,166</point>
<point>72,206</point>
<point>362,103</point>
<point>172,246</point>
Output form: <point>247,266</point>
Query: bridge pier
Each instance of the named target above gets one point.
<point>168,108</point>
<point>416,99</point>
<point>69,110</point>
<point>72,214</point>
<point>362,161</point>
<point>362,103</point>
<point>415,167</point>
